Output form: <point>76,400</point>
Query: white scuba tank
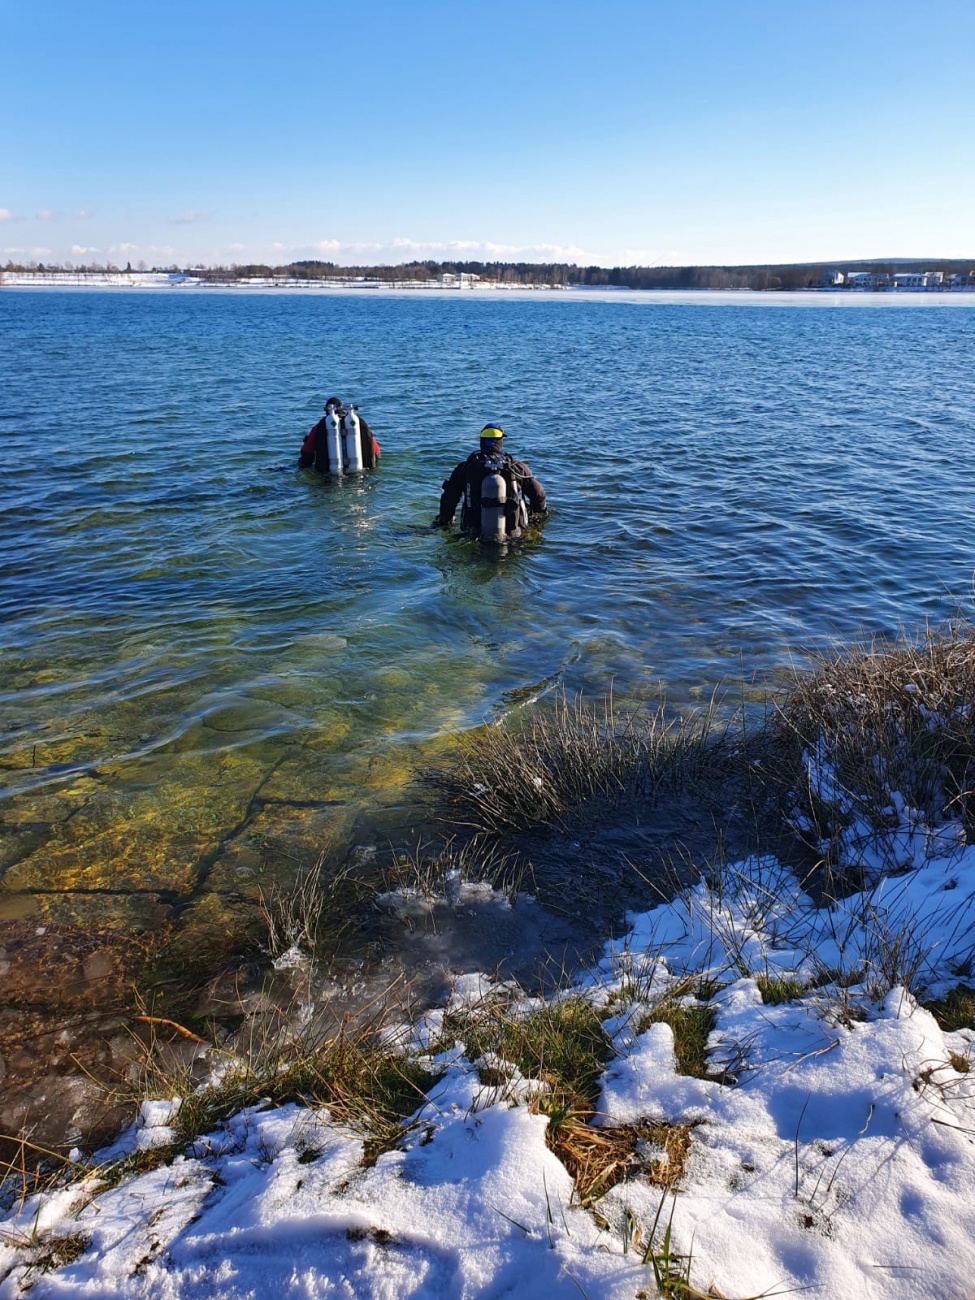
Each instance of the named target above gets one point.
<point>353,445</point>
<point>333,440</point>
<point>494,494</point>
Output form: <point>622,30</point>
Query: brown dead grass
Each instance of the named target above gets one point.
<point>894,715</point>
<point>535,767</point>
<point>598,1156</point>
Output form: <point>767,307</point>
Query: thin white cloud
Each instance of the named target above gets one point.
<point>46,214</point>
<point>481,249</point>
<point>83,214</point>
<point>6,214</point>
<point>402,249</point>
<point>645,257</point>
<point>190,218</point>
<point>130,251</point>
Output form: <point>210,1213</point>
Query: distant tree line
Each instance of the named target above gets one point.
<point>89,268</point>
<point>802,275</point>
<point>799,275</point>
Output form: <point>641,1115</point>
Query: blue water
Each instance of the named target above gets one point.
<point>211,660</point>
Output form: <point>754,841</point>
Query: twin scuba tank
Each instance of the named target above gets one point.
<point>343,441</point>
<point>503,509</point>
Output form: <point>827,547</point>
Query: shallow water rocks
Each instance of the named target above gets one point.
<point>244,714</point>
<point>66,992</point>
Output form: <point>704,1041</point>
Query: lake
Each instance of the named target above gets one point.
<point>216,666</point>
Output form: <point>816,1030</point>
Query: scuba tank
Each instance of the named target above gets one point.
<point>494,494</point>
<point>333,441</point>
<point>353,445</point>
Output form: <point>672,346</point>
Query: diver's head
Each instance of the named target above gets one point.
<point>491,437</point>
<point>333,404</point>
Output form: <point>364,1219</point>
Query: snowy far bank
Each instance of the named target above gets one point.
<point>290,284</point>
<point>154,281</point>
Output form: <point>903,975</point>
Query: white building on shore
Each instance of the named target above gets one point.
<point>861,280</point>
<point>912,281</point>
<point>461,280</point>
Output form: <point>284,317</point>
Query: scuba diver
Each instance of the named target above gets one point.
<point>340,442</point>
<point>500,494</point>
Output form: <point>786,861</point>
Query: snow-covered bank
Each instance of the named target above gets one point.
<point>291,284</point>
<point>130,282</point>
<point>760,1089</point>
<point>832,1152</point>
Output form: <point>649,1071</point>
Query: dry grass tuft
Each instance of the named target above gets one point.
<point>892,716</point>
<point>535,767</point>
<point>691,1026</point>
<point>956,1010</point>
<point>675,1142</point>
<point>777,991</point>
<point>45,1253</point>
<point>561,1043</point>
<point>597,1158</point>
<point>362,1083</point>
<point>600,1156</point>
<point>365,1085</point>
<point>432,870</point>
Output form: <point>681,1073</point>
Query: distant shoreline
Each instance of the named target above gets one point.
<point>154,283</point>
<point>898,278</point>
<point>332,284</point>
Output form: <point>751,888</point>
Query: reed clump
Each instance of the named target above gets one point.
<point>865,737</point>
<point>887,717</point>
<point>536,767</point>
<point>317,909</point>
<point>435,871</point>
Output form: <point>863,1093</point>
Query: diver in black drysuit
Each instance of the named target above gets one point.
<point>465,482</point>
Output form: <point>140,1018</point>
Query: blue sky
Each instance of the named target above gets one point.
<point>615,131</point>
